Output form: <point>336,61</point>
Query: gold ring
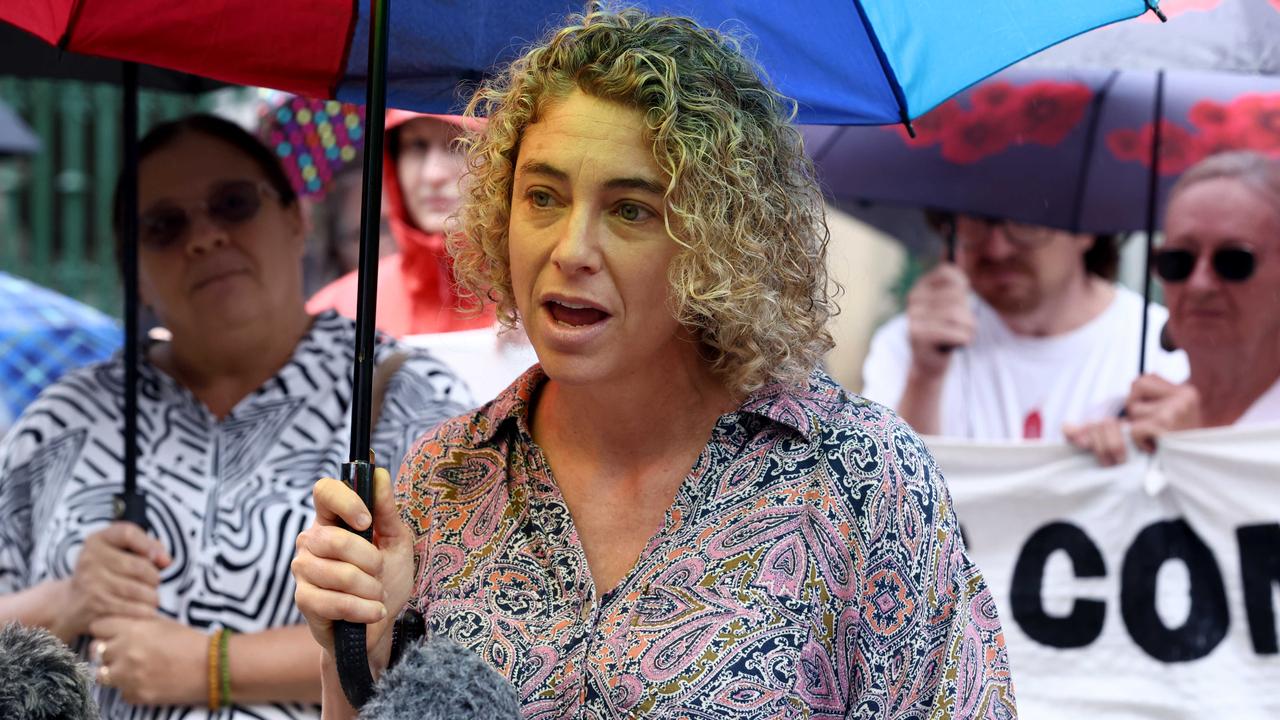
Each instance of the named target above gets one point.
<point>99,651</point>
<point>104,676</point>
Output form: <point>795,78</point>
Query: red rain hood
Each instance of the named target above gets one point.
<point>428,271</point>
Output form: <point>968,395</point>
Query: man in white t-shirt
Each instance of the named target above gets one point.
<point>1024,333</point>
<point>1220,268</point>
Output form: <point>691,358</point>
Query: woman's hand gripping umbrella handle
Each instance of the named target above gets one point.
<point>350,651</point>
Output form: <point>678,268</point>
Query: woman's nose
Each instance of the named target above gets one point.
<point>1203,276</point>
<point>440,165</point>
<point>204,235</point>
<point>578,247</point>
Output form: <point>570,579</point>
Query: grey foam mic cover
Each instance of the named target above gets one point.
<point>437,679</point>
<point>41,679</point>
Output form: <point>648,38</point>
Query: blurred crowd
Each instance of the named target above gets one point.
<point>248,241</point>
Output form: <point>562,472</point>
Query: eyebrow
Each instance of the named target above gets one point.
<point>536,167</point>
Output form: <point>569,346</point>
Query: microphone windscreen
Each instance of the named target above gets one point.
<point>439,679</point>
<point>41,679</point>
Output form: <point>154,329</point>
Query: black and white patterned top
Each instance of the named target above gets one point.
<point>227,498</point>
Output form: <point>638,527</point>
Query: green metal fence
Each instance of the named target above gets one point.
<point>55,207</point>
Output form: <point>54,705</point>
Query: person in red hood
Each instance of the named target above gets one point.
<point>420,175</point>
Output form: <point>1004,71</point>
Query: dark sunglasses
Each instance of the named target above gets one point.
<point>1232,264</point>
<point>228,204</point>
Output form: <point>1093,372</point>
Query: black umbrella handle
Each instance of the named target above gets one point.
<point>131,507</point>
<point>349,638</point>
<point>949,244</point>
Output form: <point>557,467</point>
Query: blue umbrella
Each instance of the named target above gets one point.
<point>43,335</point>
<point>863,61</point>
<point>15,137</point>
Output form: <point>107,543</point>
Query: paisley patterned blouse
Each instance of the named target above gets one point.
<point>809,567</point>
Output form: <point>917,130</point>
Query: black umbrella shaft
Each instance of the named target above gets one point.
<point>129,258</point>
<point>1153,189</point>
<point>349,638</point>
<point>370,234</point>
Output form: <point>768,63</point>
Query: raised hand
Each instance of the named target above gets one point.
<point>117,574</point>
<point>342,576</point>
<point>939,319</point>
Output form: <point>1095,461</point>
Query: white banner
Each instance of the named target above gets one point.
<point>1148,590</point>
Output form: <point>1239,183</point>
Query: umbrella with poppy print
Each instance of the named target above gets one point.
<point>1224,36</point>
<point>1072,149</point>
<point>1065,148</point>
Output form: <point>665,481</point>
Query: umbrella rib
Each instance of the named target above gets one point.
<point>346,49</point>
<point>828,144</point>
<point>889,75</point>
<point>1090,141</point>
<point>73,20</point>
<point>1153,184</point>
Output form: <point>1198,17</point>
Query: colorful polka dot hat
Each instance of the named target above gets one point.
<point>314,139</point>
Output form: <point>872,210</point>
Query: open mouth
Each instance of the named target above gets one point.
<point>574,314</point>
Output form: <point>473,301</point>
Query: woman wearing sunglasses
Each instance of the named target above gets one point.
<point>238,414</point>
<point>1220,270</point>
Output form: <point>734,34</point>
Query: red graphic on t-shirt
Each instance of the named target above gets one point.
<point>1032,426</point>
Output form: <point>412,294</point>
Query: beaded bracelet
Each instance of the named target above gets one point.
<point>224,667</point>
<point>215,659</point>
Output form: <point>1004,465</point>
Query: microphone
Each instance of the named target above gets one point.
<point>438,679</point>
<point>41,679</point>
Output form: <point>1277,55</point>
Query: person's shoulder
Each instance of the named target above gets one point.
<point>94,380</point>
<point>884,369</point>
<point>1128,304</point>
<point>83,398</point>
<point>337,295</point>
<point>892,330</point>
<point>869,441</point>
<point>822,409</point>
<point>459,457</point>
<point>483,430</point>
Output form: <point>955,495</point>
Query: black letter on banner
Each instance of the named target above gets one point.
<point>1207,620</point>
<point>1083,624</point>
<point>1260,567</point>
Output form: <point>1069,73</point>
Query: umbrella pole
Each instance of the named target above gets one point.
<point>130,504</point>
<point>1153,188</point>
<point>349,638</point>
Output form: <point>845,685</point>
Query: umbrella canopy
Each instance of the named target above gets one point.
<point>1064,148</point>
<point>15,137</point>
<point>43,335</point>
<point>26,55</point>
<point>874,61</point>
<point>1224,35</point>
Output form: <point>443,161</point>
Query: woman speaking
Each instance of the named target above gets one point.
<point>674,514</point>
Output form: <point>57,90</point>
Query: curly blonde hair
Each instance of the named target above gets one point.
<point>750,279</point>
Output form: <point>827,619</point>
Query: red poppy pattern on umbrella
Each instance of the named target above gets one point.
<point>1249,122</point>
<point>1001,115</point>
